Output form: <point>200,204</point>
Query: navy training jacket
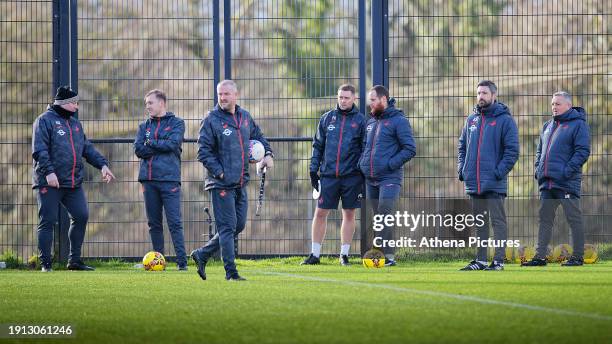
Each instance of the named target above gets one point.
<point>488,149</point>
<point>224,147</point>
<point>59,145</point>
<point>158,145</point>
<point>388,145</point>
<point>337,145</point>
<point>563,148</point>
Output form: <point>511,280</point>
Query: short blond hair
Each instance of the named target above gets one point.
<point>159,94</point>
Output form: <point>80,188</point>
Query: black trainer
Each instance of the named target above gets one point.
<point>574,261</point>
<point>535,261</point>
<point>46,268</point>
<point>344,261</point>
<point>182,267</point>
<point>235,277</point>
<point>79,266</point>
<point>474,265</point>
<point>495,266</point>
<point>200,264</point>
<point>390,262</point>
<point>311,260</point>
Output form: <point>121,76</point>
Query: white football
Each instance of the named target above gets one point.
<point>256,151</point>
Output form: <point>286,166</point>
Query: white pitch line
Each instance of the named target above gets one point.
<point>446,295</point>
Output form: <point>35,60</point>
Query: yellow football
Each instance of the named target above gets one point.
<point>373,259</point>
<point>590,254</point>
<point>562,253</point>
<point>525,253</point>
<point>373,262</point>
<point>154,261</point>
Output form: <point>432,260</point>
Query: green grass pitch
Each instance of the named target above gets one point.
<point>283,302</point>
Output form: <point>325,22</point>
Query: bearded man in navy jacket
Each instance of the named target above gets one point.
<point>563,149</point>
<point>388,145</point>
<point>487,151</point>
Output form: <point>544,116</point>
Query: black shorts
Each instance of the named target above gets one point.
<point>349,189</point>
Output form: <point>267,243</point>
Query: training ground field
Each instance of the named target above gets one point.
<point>283,302</point>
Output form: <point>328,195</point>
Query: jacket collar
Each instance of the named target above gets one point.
<point>65,114</point>
<point>166,116</point>
<point>493,110</point>
<point>573,113</point>
<point>228,117</point>
<point>353,111</point>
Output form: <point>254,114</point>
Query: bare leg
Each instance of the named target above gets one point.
<point>319,225</point>
<point>348,226</point>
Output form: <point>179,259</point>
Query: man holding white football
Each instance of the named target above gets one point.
<point>336,149</point>
<point>225,135</point>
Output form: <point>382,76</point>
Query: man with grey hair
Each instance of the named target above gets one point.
<point>224,152</point>
<point>563,149</point>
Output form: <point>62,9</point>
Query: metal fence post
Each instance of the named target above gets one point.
<point>216,49</point>
<point>65,72</point>
<point>227,61</point>
<point>380,42</point>
<point>380,76</point>
<point>227,39</point>
<point>362,104</point>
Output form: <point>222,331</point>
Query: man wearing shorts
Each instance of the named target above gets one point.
<point>336,149</point>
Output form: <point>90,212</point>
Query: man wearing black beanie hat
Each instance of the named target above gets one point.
<point>59,145</point>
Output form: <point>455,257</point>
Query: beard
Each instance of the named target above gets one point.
<point>378,109</point>
<point>483,103</point>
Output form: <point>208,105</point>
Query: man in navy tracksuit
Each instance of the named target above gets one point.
<point>59,145</point>
<point>563,149</point>
<point>487,151</point>
<point>388,146</point>
<point>158,145</point>
<point>336,149</point>
<point>224,152</point>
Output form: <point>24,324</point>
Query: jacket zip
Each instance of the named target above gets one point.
<point>238,124</point>
<point>151,160</point>
<point>339,145</point>
<point>73,151</point>
<point>556,125</point>
<point>372,148</point>
<point>482,127</point>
